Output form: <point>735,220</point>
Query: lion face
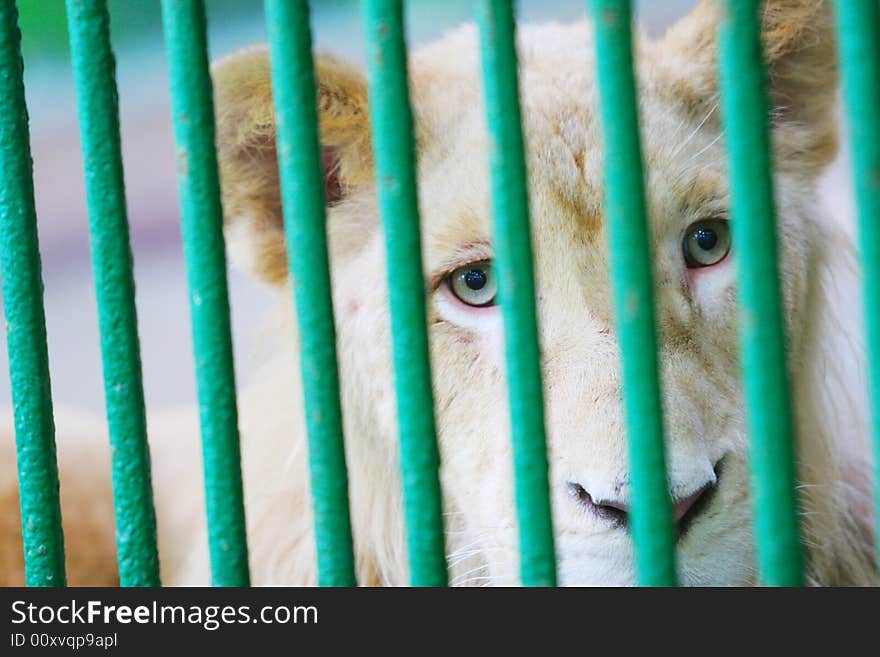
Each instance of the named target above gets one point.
<point>689,206</point>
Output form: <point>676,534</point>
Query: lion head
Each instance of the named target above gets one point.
<point>689,205</point>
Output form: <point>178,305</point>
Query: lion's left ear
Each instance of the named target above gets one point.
<point>799,50</point>
<point>247,151</point>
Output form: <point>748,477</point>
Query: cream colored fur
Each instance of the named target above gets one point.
<point>687,181</point>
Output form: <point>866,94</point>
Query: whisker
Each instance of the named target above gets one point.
<point>693,134</point>
<point>704,149</point>
<point>464,575</point>
<point>486,579</point>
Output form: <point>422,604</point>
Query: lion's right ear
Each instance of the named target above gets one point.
<point>799,51</point>
<point>248,158</point>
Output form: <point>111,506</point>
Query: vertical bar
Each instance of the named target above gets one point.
<point>26,323</point>
<point>202,225</point>
<point>745,111</point>
<point>513,263</point>
<point>633,282</point>
<point>858,35</point>
<point>94,70</point>
<point>302,188</point>
<point>392,126</point>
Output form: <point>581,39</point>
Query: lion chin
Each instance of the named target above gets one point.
<point>688,199</point>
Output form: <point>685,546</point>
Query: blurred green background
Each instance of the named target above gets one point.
<point>44,24</point>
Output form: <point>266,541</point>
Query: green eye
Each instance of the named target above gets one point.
<point>706,243</point>
<point>474,284</point>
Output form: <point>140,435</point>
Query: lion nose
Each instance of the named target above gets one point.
<point>617,511</point>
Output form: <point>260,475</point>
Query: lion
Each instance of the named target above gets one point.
<point>689,199</point>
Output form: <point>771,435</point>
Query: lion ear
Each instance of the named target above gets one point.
<point>246,147</point>
<point>799,50</point>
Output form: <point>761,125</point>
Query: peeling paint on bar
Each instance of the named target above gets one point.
<point>745,113</point>
<point>26,323</point>
<point>633,282</point>
<point>302,189</point>
<point>858,34</point>
<point>202,225</point>
<point>94,69</point>
<point>394,145</point>
<point>513,262</point>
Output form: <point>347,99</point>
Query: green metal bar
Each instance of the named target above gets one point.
<point>94,70</point>
<point>858,35</point>
<point>392,125</point>
<point>26,323</point>
<point>633,282</point>
<point>745,112</point>
<point>202,219</point>
<point>302,188</point>
<point>513,264</point>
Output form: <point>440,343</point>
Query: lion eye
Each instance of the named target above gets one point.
<point>706,243</point>
<point>474,284</point>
